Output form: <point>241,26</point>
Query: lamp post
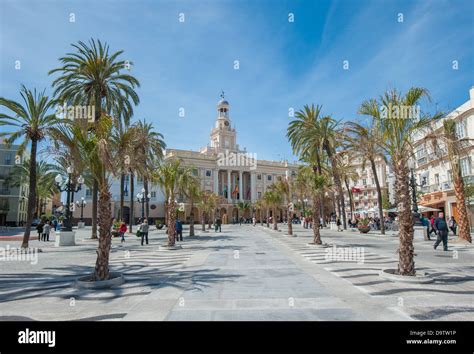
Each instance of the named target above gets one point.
<point>142,198</point>
<point>416,214</point>
<point>69,189</point>
<point>81,204</point>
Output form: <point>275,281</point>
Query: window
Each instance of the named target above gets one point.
<point>364,182</point>
<point>208,173</point>
<point>259,195</point>
<point>88,192</point>
<point>465,166</point>
<point>461,129</point>
<point>374,193</point>
<point>8,159</point>
<point>195,172</point>
<point>420,152</point>
<point>259,177</point>
<point>373,180</point>
<point>436,176</point>
<point>269,177</point>
<point>153,194</point>
<point>365,194</point>
<point>140,179</point>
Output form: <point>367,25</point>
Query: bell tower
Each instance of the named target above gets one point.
<point>223,136</point>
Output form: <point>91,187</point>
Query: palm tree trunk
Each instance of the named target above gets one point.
<point>101,271</point>
<point>171,222</point>
<point>464,232</point>
<point>122,187</point>
<point>337,182</point>
<point>316,216</point>
<point>351,200</point>
<point>95,187</point>
<point>132,209</point>
<point>406,263</point>
<point>274,220</point>
<point>379,196</point>
<point>32,194</point>
<point>203,220</point>
<point>191,219</point>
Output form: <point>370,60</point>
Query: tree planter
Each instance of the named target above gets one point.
<point>323,245</point>
<point>115,279</point>
<point>170,248</point>
<point>418,278</point>
<point>159,227</point>
<point>81,224</point>
<point>65,238</point>
<point>364,230</point>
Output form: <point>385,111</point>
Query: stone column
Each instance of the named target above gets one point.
<point>228,187</point>
<point>252,187</point>
<point>241,192</point>
<point>216,181</point>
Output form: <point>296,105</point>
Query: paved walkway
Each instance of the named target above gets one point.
<point>243,273</point>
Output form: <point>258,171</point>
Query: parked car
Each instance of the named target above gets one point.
<point>35,222</point>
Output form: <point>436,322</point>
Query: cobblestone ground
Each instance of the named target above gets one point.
<point>242,273</point>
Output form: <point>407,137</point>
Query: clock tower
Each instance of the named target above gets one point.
<point>223,136</point>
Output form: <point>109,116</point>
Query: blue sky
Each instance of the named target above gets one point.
<point>282,64</point>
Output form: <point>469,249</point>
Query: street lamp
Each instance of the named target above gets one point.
<point>81,204</point>
<point>142,198</point>
<point>69,189</point>
<point>413,185</point>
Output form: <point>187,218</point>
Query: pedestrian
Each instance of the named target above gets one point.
<point>39,228</point>
<point>432,229</point>
<point>46,230</point>
<point>218,224</point>
<point>338,223</point>
<point>55,224</point>
<point>426,224</point>
<point>254,221</point>
<point>144,230</point>
<point>179,230</point>
<point>453,225</point>
<point>122,231</point>
<point>441,228</point>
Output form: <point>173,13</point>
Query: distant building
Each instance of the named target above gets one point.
<point>433,170</point>
<point>224,169</point>
<point>364,190</point>
<point>13,200</point>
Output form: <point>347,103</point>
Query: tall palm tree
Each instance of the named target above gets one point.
<point>173,178</point>
<point>447,142</point>
<point>193,193</point>
<point>93,77</point>
<point>364,143</point>
<point>348,174</point>
<point>274,200</point>
<point>32,121</point>
<point>284,187</point>
<point>151,145</point>
<point>243,207</point>
<point>396,140</point>
<point>313,184</point>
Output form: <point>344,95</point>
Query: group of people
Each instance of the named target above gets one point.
<point>440,228</point>
<point>44,228</point>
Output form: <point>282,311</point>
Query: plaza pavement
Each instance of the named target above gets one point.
<point>242,273</point>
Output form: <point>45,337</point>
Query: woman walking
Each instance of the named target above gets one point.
<point>144,230</point>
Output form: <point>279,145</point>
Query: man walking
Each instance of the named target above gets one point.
<point>144,231</point>
<point>441,228</point>
<point>218,223</point>
<point>179,230</point>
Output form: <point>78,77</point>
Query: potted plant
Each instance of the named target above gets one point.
<point>363,225</point>
<point>159,225</point>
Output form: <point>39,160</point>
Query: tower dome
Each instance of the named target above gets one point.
<point>223,107</point>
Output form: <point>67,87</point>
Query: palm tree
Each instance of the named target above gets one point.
<point>207,202</point>
<point>173,178</point>
<point>283,187</point>
<point>243,207</point>
<point>447,142</point>
<point>364,143</point>
<point>33,123</point>
<point>94,78</point>
<point>396,140</point>
<point>273,199</point>
<point>151,147</point>
<point>45,184</point>
<point>313,184</point>
<point>260,205</point>
<point>193,193</point>
<point>348,174</point>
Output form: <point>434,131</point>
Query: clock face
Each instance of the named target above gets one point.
<point>226,123</point>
